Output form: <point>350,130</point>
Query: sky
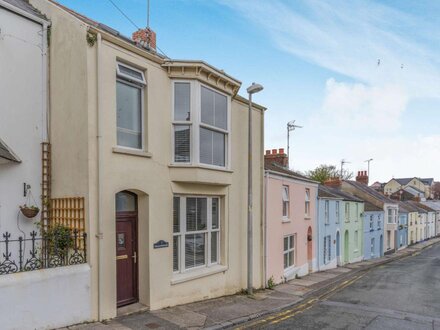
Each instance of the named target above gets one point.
<point>361,77</point>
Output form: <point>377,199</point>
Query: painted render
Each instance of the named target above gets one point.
<point>297,223</point>
<point>329,226</point>
<point>413,216</point>
<point>435,205</point>
<point>373,231</point>
<point>88,163</point>
<point>402,226</point>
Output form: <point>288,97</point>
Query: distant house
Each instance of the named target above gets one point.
<point>330,206</point>
<point>373,231</point>
<point>360,189</point>
<point>413,223</point>
<point>435,205</point>
<point>352,228</point>
<point>290,220</point>
<point>422,221</point>
<point>402,226</point>
<point>407,194</point>
<point>378,186</point>
<point>424,185</point>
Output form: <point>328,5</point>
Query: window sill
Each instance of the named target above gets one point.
<point>200,174</point>
<point>307,217</point>
<point>205,167</point>
<point>285,220</point>
<point>131,152</point>
<point>197,273</point>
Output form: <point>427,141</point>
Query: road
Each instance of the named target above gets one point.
<point>404,294</point>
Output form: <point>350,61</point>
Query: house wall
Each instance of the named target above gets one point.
<point>391,187</point>
<point>297,224</point>
<point>149,175</point>
<point>376,233</point>
<point>23,119</point>
<point>45,299</point>
<point>431,224</point>
<point>421,224</point>
<point>332,228</point>
<point>412,219</point>
<point>402,231</point>
<point>352,252</point>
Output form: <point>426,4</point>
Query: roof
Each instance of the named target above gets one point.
<point>418,206</point>
<point>433,205</point>
<point>403,207</point>
<point>6,153</point>
<point>370,191</point>
<point>344,195</point>
<point>413,191</point>
<point>327,192</point>
<point>278,169</point>
<point>405,181</point>
<point>409,206</point>
<point>426,207</point>
<point>368,207</point>
<point>26,7</point>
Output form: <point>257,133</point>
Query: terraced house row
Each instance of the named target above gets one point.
<point>124,181</point>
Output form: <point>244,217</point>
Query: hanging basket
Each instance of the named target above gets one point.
<point>29,211</point>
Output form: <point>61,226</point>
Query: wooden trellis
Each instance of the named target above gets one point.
<point>69,212</point>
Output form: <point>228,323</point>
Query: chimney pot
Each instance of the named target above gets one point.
<point>281,151</point>
<point>274,151</point>
<point>267,152</point>
<point>279,158</point>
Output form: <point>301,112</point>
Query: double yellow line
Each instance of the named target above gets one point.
<point>309,303</point>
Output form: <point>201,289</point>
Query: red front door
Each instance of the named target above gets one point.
<point>126,258</point>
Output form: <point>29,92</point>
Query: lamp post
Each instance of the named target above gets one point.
<point>254,88</point>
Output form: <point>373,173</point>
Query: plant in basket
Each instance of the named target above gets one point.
<point>29,211</point>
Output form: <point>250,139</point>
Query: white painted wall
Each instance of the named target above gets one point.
<point>22,115</point>
<point>45,299</point>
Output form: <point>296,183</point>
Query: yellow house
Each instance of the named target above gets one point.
<point>423,185</point>
<point>413,223</point>
<point>159,150</point>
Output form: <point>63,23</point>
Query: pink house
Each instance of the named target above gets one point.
<point>290,220</point>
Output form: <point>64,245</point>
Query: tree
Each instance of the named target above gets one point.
<point>324,172</point>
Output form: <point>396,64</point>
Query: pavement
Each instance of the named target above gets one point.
<point>242,310</point>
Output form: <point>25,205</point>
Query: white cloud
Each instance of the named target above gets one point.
<point>358,106</point>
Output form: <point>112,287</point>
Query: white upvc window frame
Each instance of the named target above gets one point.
<point>183,232</point>
<point>290,237</point>
<point>137,83</point>
<point>347,212</point>
<point>326,212</point>
<point>307,202</point>
<point>196,123</point>
<point>285,201</point>
<point>356,240</point>
<point>372,243</point>
<point>327,249</point>
<point>371,222</point>
<point>338,211</point>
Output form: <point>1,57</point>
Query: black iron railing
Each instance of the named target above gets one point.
<point>39,252</point>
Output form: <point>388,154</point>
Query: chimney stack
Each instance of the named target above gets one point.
<point>278,157</point>
<point>145,37</point>
<point>362,177</point>
<point>333,182</point>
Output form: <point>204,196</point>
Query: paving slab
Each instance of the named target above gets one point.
<point>303,282</point>
<point>296,290</point>
<point>320,277</point>
<point>181,316</point>
<point>339,270</point>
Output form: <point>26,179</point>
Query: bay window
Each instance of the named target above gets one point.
<point>196,232</point>
<point>200,124</point>
<point>130,83</point>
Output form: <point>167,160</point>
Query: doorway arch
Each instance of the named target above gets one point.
<point>126,218</point>
<point>310,249</point>
<point>346,247</point>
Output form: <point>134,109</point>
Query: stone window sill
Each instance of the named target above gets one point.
<point>198,273</point>
<point>285,220</point>
<point>131,152</point>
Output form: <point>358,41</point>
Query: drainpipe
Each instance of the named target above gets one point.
<point>318,253</point>
<point>266,180</point>
<point>99,235</point>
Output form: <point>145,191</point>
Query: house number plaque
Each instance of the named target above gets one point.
<point>161,244</point>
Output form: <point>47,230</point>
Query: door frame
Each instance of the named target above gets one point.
<point>131,216</point>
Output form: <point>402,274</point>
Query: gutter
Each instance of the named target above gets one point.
<point>25,14</point>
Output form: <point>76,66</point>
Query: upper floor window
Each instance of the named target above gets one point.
<point>379,221</point>
<point>371,222</point>
<point>307,203</point>
<point>357,211</point>
<point>130,83</point>
<point>326,212</point>
<point>201,126</point>
<point>347,212</point>
<point>286,201</point>
<point>391,216</point>
<point>337,212</point>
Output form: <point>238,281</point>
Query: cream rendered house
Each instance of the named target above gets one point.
<point>423,185</point>
<point>158,148</point>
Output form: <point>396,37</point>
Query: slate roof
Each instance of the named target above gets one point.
<point>342,194</point>
<point>414,191</point>
<point>426,207</point>
<point>278,169</point>
<point>27,7</point>
<point>7,153</point>
<point>405,181</point>
<point>326,192</point>
<point>370,191</point>
<point>368,207</point>
<point>404,208</point>
<point>433,205</point>
<point>105,28</point>
<point>409,206</point>
<point>417,206</point>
